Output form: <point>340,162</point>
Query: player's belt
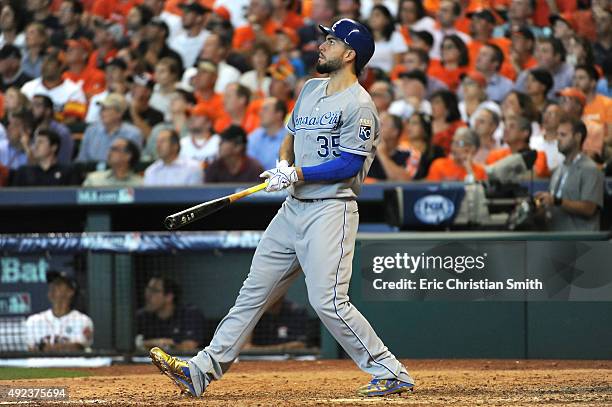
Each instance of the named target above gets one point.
<point>321,199</point>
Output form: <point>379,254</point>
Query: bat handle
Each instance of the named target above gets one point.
<point>170,223</point>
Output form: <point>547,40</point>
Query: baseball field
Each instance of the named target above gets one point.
<point>332,383</point>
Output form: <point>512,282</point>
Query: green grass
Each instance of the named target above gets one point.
<point>14,373</point>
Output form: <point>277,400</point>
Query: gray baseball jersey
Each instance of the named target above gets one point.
<point>323,126</point>
<point>315,237</point>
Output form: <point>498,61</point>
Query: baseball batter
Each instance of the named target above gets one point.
<point>333,133</point>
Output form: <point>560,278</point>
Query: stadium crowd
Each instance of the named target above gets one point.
<point>182,92</point>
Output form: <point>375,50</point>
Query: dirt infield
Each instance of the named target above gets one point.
<point>332,383</point>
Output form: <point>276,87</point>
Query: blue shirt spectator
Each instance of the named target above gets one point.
<point>264,142</point>
<point>99,136</point>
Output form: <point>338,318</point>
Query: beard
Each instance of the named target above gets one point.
<point>328,66</point>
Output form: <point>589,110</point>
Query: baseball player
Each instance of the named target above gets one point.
<point>333,133</point>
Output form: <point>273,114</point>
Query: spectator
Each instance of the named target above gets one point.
<point>216,49</point>
<point>136,24</point>
<point>550,55</point>
<point>14,101</point>
<point>69,101</point>
<point>453,63</point>
<point>257,79</point>
<point>598,108</point>
<point>155,45</point>
<point>90,79</point>
<point>283,326</point>
<point>422,152</point>
<point>602,47</point>
<point>482,23</point>
<point>446,118</point>
<point>485,124</point>
<point>413,86</point>
<point>204,85</point>
<point>519,104</point>
<point>546,139</point>
<point>417,59</point>
<point>423,41</point>
<point>561,30</point>
<point>575,197</point>
<point>70,14</point>
<point>447,16</point>
<point>489,62</point>
<point>181,104</point>
<point>260,26</point>
<point>390,162</point>
<point>36,43</point>
<point>15,150</point>
<point>235,103</point>
<point>46,170</point>
<point>42,112</point>
<point>474,91</point>
<point>233,165</point>
<point>521,49</point>
<point>349,9</point>
<point>580,52</point>
<point>115,77</point>
<point>520,14</point>
<point>100,134</point>
<point>382,95</point>
<point>107,35</point>
<point>286,53</point>
<point>572,102</point>
<point>322,12</point>
<point>284,15</point>
<point>123,156</point>
<point>604,85</point>
<point>61,328</point>
<point>170,169</point>
<point>164,322</point>
<point>459,165</point>
<point>11,74</point>
<point>140,113</point>
<point>167,75</point>
<point>283,85</point>
<point>172,21</point>
<point>201,143</point>
<point>265,142</point>
<point>389,43</point>
<point>40,13</point>
<point>517,132</point>
<point>539,83</point>
<point>189,42</point>
<point>12,24</point>
<point>412,16</point>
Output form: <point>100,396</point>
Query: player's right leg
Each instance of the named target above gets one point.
<point>273,268</point>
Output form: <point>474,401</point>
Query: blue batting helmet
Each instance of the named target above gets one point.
<point>356,36</point>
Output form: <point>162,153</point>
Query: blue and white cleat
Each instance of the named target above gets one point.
<point>176,369</point>
<point>384,387</point>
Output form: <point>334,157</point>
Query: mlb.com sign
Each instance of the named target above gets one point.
<point>434,209</point>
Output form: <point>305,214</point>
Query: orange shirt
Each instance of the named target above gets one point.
<point>444,138</point>
<point>249,123</point>
<point>542,11</point>
<point>215,101</point>
<point>118,8</point>
<point>447,169</point>
<point>598,110</point>
<point>92,80</point>
<point>594,141</point>
<point>451,77</point>
<point>244,37</point>
<point>92,63</point>
<point>293,20</point>
<point>540,165</point>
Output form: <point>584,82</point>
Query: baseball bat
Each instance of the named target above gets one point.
<point>202,210</point>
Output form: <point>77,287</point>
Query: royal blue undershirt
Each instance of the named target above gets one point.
<point>346,166</point>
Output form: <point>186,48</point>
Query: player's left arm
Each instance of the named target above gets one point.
<point>356,141</point>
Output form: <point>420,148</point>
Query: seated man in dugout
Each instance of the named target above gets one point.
<point>164,322</point>
<point>61,328</point>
